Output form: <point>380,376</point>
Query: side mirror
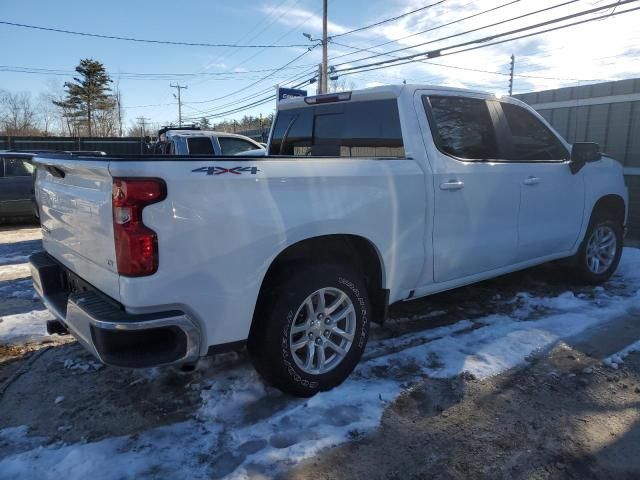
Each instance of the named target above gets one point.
<point>584,152</point>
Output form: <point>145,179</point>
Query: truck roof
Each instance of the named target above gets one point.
<point>199,133</point>
<point>381,92</point>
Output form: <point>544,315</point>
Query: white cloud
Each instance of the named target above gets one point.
<point>307,20</point>
<point>600,50</point>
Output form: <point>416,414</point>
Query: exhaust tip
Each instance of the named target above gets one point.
<point>56,327</point>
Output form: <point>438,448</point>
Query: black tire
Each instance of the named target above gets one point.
<point>269,343</point>
<point>581,269</point>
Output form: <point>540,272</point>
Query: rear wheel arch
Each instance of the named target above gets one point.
<point>354,251</point>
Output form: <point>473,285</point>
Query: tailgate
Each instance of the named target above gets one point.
<point>74,195</point>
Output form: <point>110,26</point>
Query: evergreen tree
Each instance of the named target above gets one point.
<point>88,93</point>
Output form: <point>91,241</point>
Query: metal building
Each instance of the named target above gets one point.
<point>607,113</point>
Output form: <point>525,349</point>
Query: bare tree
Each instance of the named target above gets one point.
<point>117,97</point>
<point>17,113</point>
<point>47,114</point>
<point>341,85</point>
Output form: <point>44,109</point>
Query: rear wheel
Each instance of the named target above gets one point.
<point>600,252</point>
<point>310,333</point>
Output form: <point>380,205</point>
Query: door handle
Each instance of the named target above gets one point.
<point>532,181</point>
<point>452,185</point>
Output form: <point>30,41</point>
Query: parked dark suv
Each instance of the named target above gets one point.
<point>16,185</point>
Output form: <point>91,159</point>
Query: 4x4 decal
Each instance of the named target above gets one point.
<point>215,170</point>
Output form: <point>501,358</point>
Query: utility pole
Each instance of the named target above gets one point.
<point>320,77</point>
<point>324,78</point>
<point>179,87</point>
<point>119,100</point>
<point>143,122</point>
<point>511,68</point>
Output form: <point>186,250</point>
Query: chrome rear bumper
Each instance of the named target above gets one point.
<point>103,326</point>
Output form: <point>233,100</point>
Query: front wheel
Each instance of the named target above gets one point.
<point>600,252</point>
<point>310,333</point>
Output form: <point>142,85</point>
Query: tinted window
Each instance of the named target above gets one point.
<point>531,139</point>
<point>358,129</point>
<point>17,167</point>
<point>462,127</point>
<point>200,146</point>
<point>232,146</point>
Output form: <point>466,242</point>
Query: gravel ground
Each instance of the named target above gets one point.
<point>563,415</point>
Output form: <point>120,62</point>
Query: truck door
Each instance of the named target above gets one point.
<point>476,199</point>
<point>16,185</point>
<point>552,198</point>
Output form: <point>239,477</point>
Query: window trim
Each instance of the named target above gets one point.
<point>507,144</point>
<point>435,134</point>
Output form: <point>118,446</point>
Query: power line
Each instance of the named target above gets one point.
<point>452,22</point>
<point>214,112</point>
<point>484,40</point>
<point>144,40</point>
<point>255,54</point>
<point>383,64</point>
<point>469,69</point>
<point>251,38</point>
<point>257,103</point>
<point>466,32</point>
<point>243,89</point>
<point>392,19</point>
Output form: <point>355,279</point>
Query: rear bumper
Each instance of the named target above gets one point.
<point>103,326</point>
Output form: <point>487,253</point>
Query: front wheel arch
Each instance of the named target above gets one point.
<point>611,206</point>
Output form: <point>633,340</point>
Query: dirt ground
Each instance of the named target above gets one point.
<point>564,415</point>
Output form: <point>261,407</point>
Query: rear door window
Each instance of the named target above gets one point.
<point>17,167</point>
<point>530,139</point>
<point>462,127</point>
<point>358,129</point>
<point>233,146</point>
<point>200,146</point>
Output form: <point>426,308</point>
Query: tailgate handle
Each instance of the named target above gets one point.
<point>55,171</point>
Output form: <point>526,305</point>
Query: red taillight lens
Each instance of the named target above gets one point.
<point>136,244</point>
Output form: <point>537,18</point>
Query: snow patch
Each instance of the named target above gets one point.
<point>618,358</point>
<point>13,259</point>
<point>24,326</point>
<point>244,428</point>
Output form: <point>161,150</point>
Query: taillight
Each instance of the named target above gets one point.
<point>136,244</point>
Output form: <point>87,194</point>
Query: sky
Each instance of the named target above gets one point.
<point>221,79</point>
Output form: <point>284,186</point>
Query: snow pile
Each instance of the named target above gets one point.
<point>244,429</point>
<point>9,260</point>
<point>18,289</point>
<point>24,327</point>
<point>617,358</point>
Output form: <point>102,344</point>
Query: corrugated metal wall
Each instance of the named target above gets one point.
<point>607,113</point>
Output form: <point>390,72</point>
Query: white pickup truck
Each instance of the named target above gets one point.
<point>366,198</point>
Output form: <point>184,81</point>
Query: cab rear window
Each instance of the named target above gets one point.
<point>200,146</point>
<point>357,129</point>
